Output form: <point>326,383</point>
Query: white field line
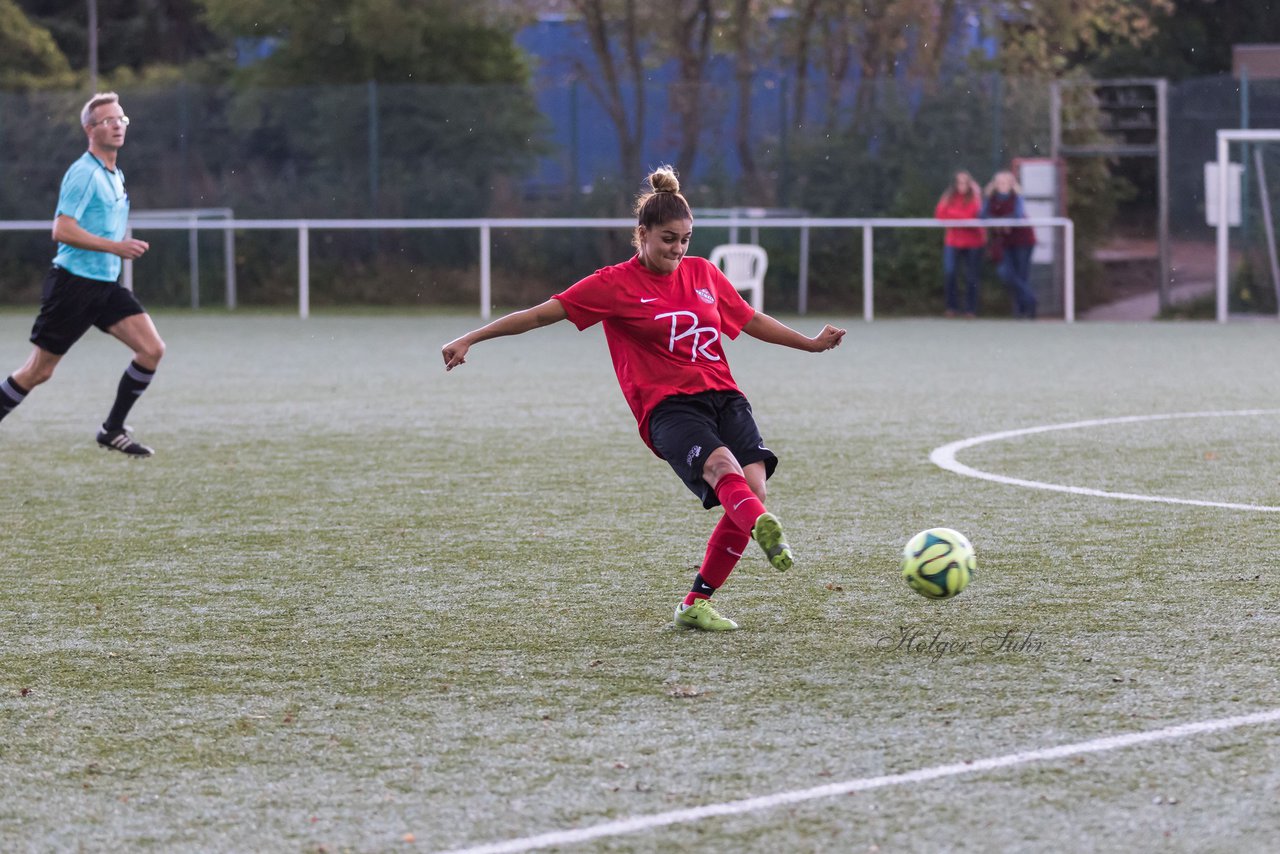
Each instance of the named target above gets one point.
<point>945,457</point>
<point>639,824</point>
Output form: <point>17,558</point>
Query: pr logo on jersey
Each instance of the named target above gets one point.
<point>705,296</point>
<point>703,336</point>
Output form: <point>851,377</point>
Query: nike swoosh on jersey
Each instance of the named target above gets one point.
<point>647,299</point>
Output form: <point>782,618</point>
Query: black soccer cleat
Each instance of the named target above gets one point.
<point>120,440</point>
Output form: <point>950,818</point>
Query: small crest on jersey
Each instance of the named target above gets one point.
<point>705,296</point>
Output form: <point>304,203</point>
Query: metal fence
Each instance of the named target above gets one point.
<point>444,153</point>
<point>803,226</point>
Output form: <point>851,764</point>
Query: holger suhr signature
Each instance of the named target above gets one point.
<point>934,644</point>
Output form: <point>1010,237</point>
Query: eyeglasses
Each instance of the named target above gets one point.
<point>112,121</point>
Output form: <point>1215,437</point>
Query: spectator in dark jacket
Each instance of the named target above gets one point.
<point>1011,245</point>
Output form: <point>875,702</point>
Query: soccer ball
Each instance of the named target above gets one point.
<point>938,563</point>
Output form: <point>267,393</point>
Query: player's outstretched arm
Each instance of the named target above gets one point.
<point>771,331</point>
<point>551,311</point>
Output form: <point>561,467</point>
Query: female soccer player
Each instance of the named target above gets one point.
<point>664,315</point>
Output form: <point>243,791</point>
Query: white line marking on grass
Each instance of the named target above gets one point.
<point>642,823</point>
<point>945,457</point>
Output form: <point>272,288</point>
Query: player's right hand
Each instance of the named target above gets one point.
<point>454,353</point>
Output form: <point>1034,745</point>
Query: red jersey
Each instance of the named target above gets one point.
<point>961,207</point>
<point>664,332</point>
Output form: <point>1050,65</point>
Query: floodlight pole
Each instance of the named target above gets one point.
<point>1163,250</point>
<point>486,271</point>
<point>93,46</point>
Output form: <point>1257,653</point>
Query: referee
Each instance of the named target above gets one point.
<point>82,288</point>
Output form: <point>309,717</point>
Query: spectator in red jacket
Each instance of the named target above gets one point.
<point>962,249</point>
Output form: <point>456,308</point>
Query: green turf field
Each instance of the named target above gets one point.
<point>357,604</point>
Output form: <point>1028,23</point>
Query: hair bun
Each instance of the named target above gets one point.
<point>664,180</point>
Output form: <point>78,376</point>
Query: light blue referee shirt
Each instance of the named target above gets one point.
<point>95,198</point>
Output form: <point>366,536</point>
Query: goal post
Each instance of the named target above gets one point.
<point>1227,195</point>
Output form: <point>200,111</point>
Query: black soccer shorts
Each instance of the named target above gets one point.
<point>70,304</point>
<point>685,429</point>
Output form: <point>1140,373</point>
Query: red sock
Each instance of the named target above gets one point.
<point>724,547</point>
<point>740,503</point>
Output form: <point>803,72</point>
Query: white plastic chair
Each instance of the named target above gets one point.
<point>744,265</point>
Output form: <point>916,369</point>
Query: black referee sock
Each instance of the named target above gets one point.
<point>11,394</point>
<point>132,384</point>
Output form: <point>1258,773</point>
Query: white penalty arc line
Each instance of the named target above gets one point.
<point>945,458</point>
<point>639,824</point>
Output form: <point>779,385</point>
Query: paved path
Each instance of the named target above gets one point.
<point>1192,271</point>
<point>1147,306</point>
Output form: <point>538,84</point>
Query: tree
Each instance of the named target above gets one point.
<point>1192,38</point>
<point>877,38</point>
<point>131,33</point>
<point>356,41</point>
<point>743,40</point>
<point>399,107</point>
<point>1054,36</point>
<point>614,31</point>
<point>29,57</point>
<point>691,23</point>
<point>628,39</point>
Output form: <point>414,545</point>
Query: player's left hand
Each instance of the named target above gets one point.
<point>829,337</point>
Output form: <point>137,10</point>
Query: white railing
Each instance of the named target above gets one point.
<point>485,227</point>
<point>191,215</point>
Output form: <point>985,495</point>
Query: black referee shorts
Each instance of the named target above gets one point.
<point>70,304</point>
<point>685,429</point>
